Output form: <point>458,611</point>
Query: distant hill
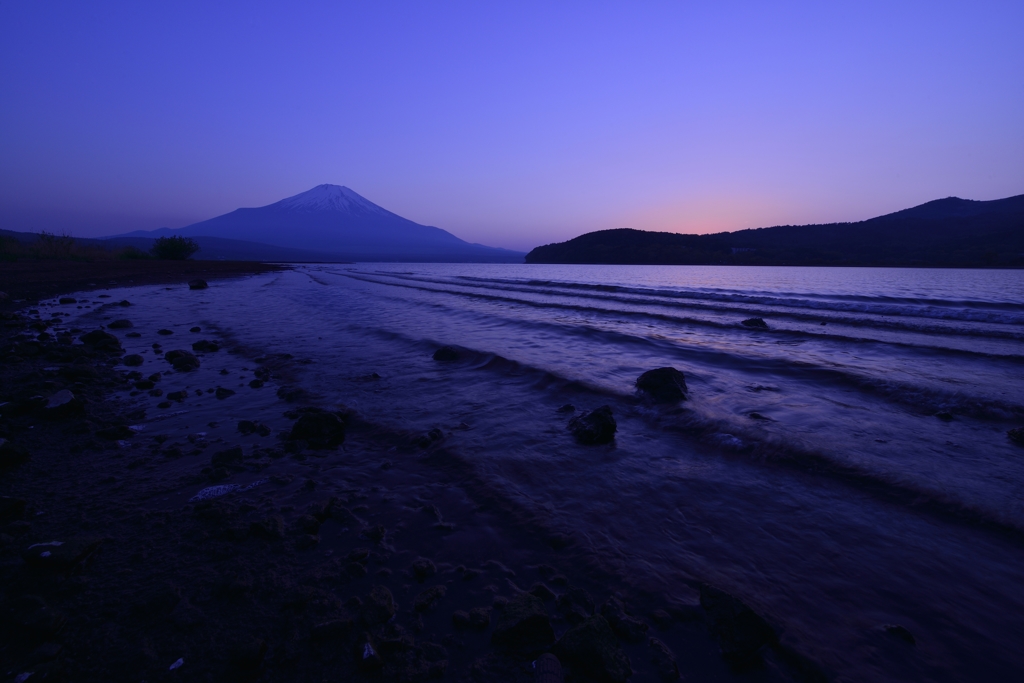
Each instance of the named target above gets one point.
<point>948,232</point>
<point>337,224</point>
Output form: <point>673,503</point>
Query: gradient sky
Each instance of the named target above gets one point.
<point>511,124</point>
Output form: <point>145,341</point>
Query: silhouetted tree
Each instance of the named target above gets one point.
<point>176,248</point>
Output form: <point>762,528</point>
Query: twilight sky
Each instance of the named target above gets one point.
<point>510,124</point>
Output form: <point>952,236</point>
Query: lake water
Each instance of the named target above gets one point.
<point>844,469</point>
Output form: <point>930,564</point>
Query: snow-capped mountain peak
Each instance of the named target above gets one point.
<point>330,198</point>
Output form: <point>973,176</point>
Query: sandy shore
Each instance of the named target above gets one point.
<point>146,533</point>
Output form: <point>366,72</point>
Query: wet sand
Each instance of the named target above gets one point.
<point>334,549</point>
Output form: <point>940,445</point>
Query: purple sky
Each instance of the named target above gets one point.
<point>511,124</point>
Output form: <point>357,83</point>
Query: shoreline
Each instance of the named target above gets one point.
<point>280,578</point>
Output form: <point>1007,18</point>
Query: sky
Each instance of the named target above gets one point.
<point>511,124</point>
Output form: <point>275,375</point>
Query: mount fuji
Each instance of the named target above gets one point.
<point>335,223</point>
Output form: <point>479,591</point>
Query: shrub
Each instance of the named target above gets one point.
<point>175,248</point>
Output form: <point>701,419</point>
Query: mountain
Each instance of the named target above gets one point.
<point>949,232</point>
<point>339,224</point>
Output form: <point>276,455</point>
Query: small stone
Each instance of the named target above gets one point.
<point>663,385</point>
<point>256,383</point>
<point>567,408</point>
<point>590,646</point>
<point>900,632</point>
<point>755,323</point>
<point>594,427</point>
<point>663,660</point>
<point>67,300</point>
<point>163,404</point>
<point>132,360</point>
<point>740,631</point>
<point>181,360</point>
<point>428,598</point>
<point>379,606</point>
<point>205,346</point>
<point>479,618</point>
<point>1016,435</point>
<point>523,625</point>
<point>460,619</point>
<point>625,627</point>
<point>422,569</point>
<point>195,329</point>
<point>101,341</point>
<point>319,428</point>
<point>542,592</point>
<point>227,458</point>
<point>121,324</point>
<point>165,332</point>
<point>197,284</point>
<point>223,393</point>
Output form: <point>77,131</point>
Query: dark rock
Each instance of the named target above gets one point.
<point>144,385</point>
<point>663,660</point>
<point>422,569</point>
<point>523,625</point>
<point>250,427</point>
<point>661,619</point>
<point>319,428</point>
<point>177,395</point>
<point>460,619</point>
<point>195,329</point>
<point>270,528</point>
<point>59,555</point>
<point>755,323</point>
<point>446,353</point>
<point>479,618</point>
<point>181,360</point>
<point>591,648</point>
<point>205,346</point>
<point>115,432</point>
<point>900,632</point>
<point>223,393</point>
<point>122,324</point>
<point>197,284</point>
<point>428,598</point>
<point>575,605</point>
<point>255,383</point>
<point>132,360</point>
<point>625,627</point>
<point>594,427</point>
<point>663,385</point>
<point>567,408</point>
<point>944,415</point>
<point>740,631</point>
<point>306,541</point>
<point>1016,435</point>
<point>101,341</point>
<point>163,404</point>
<point>249,654</point>
<point>11,508</point>
<point>124,302</point>
<point>229,457</point>
<point>379,606</point>
<point>165,332</point>
<point>542,592</point>
<point>334,630</point>
<point>67,300</point>
<point>63,404</point>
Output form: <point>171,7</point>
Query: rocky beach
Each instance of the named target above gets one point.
<point>177,506</point>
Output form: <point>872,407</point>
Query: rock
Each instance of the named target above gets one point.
<point>1016,435</point>
<point>63,404</point>
<point>428,598</point>
<point>145,385</point>
<point>662,619</point>
<point>591,648</point>
<point>132,360</point>
<point>67,300</point>
<point>250,427</point>
<point>575,605</point>
<point>460,619</point>
<point>181,360</point>
<point>195,329</point>
<point>523,625</point>
<point>594,427</point>
<point>205,346</point>
<point>567,408</point>
<point>740,631</point>
<point>900,632</point>
<point>197,284</point>
<point>625,627</point>
<point>255,383</point>
<point>101,341</point>
<point>165,332</point>
<point>229,457</point>
<point>249,654</point>
<point>379,606</point>
<point>121,324</point>
<point>124,302</point>
<point>479,618</point>
<point>10,508</point>
<point>755,323</point>
<point>446,353</point>
<point>664,385</point>
<point>334,630</point>
<point>223,393</point>
<point>115,432</point>
<point>177,395</point>
<point>663,660</point>
<point>542,592</point>
<point>944,415</point>
<point>319,428</point>
<point>59,555</point>
<point>270,528</point>
<point>422,569</point>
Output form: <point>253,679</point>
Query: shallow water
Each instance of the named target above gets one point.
<point>848,506</point>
